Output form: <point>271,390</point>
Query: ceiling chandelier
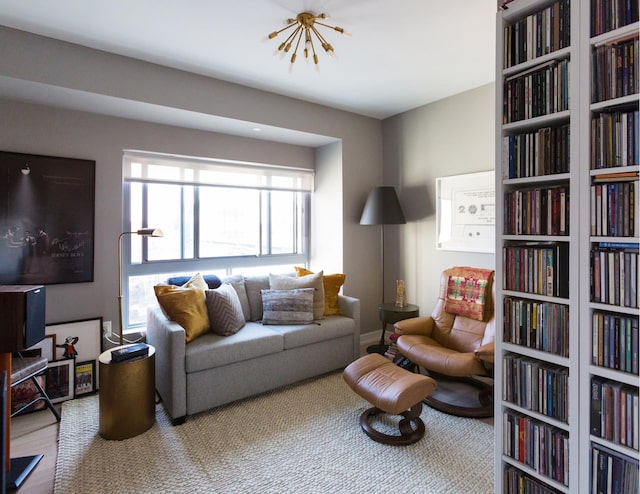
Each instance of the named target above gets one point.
<point>305,27</point>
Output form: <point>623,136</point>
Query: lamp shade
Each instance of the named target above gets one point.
<point>382,208</point>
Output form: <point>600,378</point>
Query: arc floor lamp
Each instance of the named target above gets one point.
<point>382,208</point>
<point>144,232</point>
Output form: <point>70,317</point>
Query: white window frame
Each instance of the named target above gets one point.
<point>199,172</point>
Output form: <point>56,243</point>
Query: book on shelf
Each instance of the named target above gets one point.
<point>534,91</point>
<point>613,472</point>
<point>542,152</point>
<point>614,139</point>
<point>615,341</point>
<point>614,274</point>
<point>613,208</point>
<point>614,69</point>
<point>537,267</point>
<point>542,326</point>
<point>614,412</point>
<point>537,34</point>
<point>537,211</point>
<point>613,14</point>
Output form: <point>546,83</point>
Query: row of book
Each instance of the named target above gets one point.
<point>535,385</point>
<point>541,268</point>
<point>615,274</point>
<point>537,211</point>
<point>614,139</point>
<point>542,152</point>
<point>614,412</point>
<point>614,69</point>
<point>607,15</point>
<point>541,90</point>
<point>613,473</point>
<point>613,208</point>
<point>392,350</point>
<point>542,326</point>
<point>518,482</point>
<point>540,33</point>
<point>615,341</point>
<point>538,445</point>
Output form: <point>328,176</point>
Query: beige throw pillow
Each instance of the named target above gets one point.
<point>284,282</point>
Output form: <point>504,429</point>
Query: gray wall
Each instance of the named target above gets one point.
<point>449,137</point>
<point>452,136</point>
<point>80,74</point>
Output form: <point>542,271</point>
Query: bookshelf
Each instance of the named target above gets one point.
<point>610,154</point>
<point>567,156</point>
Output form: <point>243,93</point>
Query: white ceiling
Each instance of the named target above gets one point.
<point>401,54</point>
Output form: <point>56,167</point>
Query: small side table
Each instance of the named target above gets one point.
<point>390,314</point>
<point>127,395</point>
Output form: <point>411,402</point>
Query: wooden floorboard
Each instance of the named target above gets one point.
<point>32,434</point>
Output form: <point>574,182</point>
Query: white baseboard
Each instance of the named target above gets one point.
<point>371,338</point>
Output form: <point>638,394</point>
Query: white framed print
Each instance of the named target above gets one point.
<point>466,212</point>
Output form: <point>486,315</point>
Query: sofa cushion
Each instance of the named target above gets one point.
<point>287,306</point>
<point>237,282</point>
<point>285,282</point>
<point>224,310</point>
<point>211,280</point>
<point>329,328</point>
<point>185,306</point>
<point>254,286</point>
<point>211,350</point>
<point>332,284</point>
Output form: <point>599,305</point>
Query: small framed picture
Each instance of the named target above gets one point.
<point>59,380</point>
<point>47,347</point>
<point>85,377</point>
<point>24,393</point>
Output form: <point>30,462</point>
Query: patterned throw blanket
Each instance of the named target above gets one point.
<point>469,292</point>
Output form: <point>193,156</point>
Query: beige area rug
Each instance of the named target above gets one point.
<point>303,438</point>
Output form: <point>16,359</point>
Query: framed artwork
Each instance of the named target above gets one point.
<point>46,219</point>
<point>45,348</point>
<point>26,392</point>
<point>89,334</point>
<point>60,380</point>
<point>85,377</point>
<point>88,345</point>
<point>466,212</point>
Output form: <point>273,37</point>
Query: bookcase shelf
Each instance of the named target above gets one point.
<point>596,166</point>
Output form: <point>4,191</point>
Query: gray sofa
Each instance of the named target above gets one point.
<point>213,370</point>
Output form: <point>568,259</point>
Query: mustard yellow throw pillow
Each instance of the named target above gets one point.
<point>186,306</point>
<point>332,284</point>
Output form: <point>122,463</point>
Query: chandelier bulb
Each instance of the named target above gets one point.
<point>293,58</point>
<point>281,47</point>
<point>287,48</point>
<point>273,34</point>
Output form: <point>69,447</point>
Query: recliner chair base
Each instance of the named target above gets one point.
<point>461,396</point>
<point>411,427</point>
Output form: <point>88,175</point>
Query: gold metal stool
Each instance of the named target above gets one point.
<point>127,395</point>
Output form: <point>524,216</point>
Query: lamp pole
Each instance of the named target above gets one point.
<point>145,232</point>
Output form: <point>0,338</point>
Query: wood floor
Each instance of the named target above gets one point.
<point>31,434</point>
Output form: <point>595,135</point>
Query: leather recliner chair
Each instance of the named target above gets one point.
<point>454,349</point>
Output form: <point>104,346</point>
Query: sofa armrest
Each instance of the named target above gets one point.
<point>350,307</point>
<point>416,325</point>
<point>168,338</point>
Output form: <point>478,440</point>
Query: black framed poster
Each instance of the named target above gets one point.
<point>46,219</point>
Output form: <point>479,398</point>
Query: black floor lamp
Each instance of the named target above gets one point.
<point>382,208</point>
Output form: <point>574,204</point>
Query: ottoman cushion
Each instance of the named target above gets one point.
<point>385,385</point>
